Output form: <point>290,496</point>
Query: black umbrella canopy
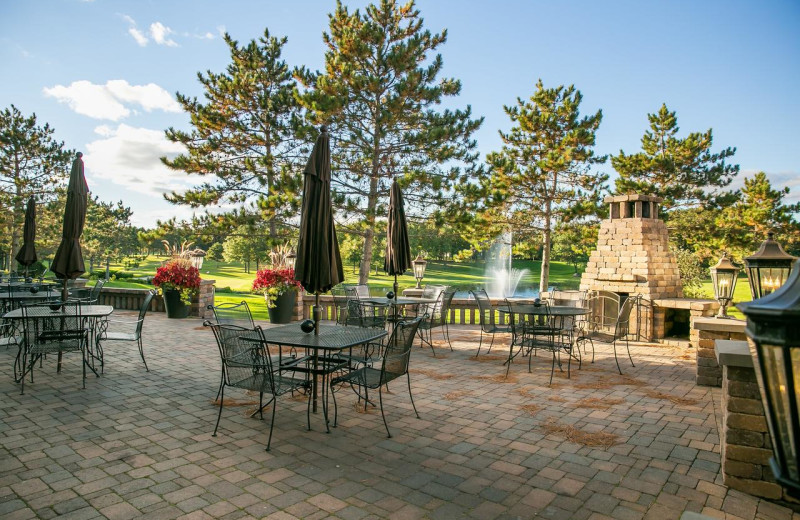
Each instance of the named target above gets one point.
<point>68,262</point>
<point>398,251</point>
<point>318,266</point>
<point>27,253</point>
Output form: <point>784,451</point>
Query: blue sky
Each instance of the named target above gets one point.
<point>104,73</point>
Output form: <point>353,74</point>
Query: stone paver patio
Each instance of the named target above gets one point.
<point>138,445</point>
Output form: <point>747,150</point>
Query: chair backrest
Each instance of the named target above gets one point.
<point>570,298</point>
<point>94,296</point>
<point>64,326</point>
<point>234,314</point>
<point>357,290</point>
<point>485,310</point>
<point>397,353</point>
<point>512,319</point>
<point>242,359</point>
<point>144,308</point>
<point>433,291</point>
<point>621,327</point>
<point>366,314</point>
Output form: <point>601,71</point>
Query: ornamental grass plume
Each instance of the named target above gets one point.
<point>178,274</point>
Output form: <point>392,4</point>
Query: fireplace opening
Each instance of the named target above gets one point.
<point>676,323</point>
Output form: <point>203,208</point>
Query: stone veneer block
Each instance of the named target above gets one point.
<point>744,439</point>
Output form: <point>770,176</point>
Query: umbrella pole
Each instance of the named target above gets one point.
<point>315,313</point>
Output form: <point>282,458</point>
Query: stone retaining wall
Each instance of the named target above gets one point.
<point>744,439</point>
<point>132,299</point>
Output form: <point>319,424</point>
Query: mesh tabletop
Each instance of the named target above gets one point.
<point>42,294</point>
<point>554,310</point>
<point>331,337</point>
<point>87,311</point>
<point>399,301</point>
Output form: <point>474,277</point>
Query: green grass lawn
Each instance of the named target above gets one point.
<point>463,276</point>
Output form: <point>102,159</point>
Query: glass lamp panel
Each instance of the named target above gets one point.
<point>772,278</point>
<point>754,281</point>
<point>419,269</point>
<point>776,385</point>
<point>724,284</point>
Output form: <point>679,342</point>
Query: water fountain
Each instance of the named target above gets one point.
<point>501,278</point>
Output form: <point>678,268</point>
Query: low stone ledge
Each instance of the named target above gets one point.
<point>705,331</point>
<point>687,304</point>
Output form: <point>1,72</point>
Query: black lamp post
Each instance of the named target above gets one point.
<point>419,265</point>
<point>773,331</point>
<point>768,268</point>
<point>723,278</point>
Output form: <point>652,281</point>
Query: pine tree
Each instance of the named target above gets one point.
<point>243,139</point>
<point>32,162</point>
<point>542,176</point>
<point>684,172</point>
<point>379,95</point>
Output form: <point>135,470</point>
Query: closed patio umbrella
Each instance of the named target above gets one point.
<point>398,252</point>
<point>27,253</point>
<point>318,266</point>
<point>68,262</point>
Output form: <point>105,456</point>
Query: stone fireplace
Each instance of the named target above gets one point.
<point>633,259</point>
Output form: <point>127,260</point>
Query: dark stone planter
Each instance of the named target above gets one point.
<point>174,306</point>
<point>284,309</point>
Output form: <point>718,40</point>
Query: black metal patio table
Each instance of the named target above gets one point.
<point>331,339</point>
<point>556,311</point>
<point>92,312</point>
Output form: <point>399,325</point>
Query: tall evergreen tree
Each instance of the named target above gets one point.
<point>542,176</point>
<point>243,138</point>
<point>684,172</point>
<point>379,95</point>
<point>32,162</point>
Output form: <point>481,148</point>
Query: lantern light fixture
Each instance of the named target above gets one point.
<point>723,278</point>
<point>773,333</point>
<point>197,256</point>
<point>419,264</point>
<point>768,268</point>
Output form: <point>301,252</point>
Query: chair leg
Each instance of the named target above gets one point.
<point>335,406</point>
<point>85,362</point>
<point>221,383</point>
<point>490,344</point>
<point>408,377</point>
<point>480,342</point>
<point>380,398</point>
<point>628,348</point>
<point>615,355</point>
<point>221,399</point>
<point>446,334</point>
<point>141,353</point>
<point>261,405</point>
<point>272,422</point>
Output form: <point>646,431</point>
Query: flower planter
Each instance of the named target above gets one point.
<point>174,306</point>
<point>283,312</point>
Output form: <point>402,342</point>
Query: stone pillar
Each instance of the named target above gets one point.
<point>744,439</point>
<point>204,298</point>
<point>704,331</point>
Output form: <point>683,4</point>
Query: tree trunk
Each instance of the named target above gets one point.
<point>544,278</point>
<point>369,234</point>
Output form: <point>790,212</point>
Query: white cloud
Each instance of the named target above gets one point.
<point>160,34</point>
<point>109,101</point>
<point>777,179</point>
<point>140,38</point>
<point>134,31</point>
<point>130,157</point>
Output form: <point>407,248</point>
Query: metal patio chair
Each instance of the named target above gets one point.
<point>436,317</point>
<point>132,331</point>
<point>247,365</point>
<point>394,364</point>
<point>486,314</point>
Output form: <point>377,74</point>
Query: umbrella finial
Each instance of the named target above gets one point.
<point>323,128</point>
<point>80,154</point>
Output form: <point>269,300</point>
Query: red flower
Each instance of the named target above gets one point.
<point>281,278</point>
<point>177,274</point>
